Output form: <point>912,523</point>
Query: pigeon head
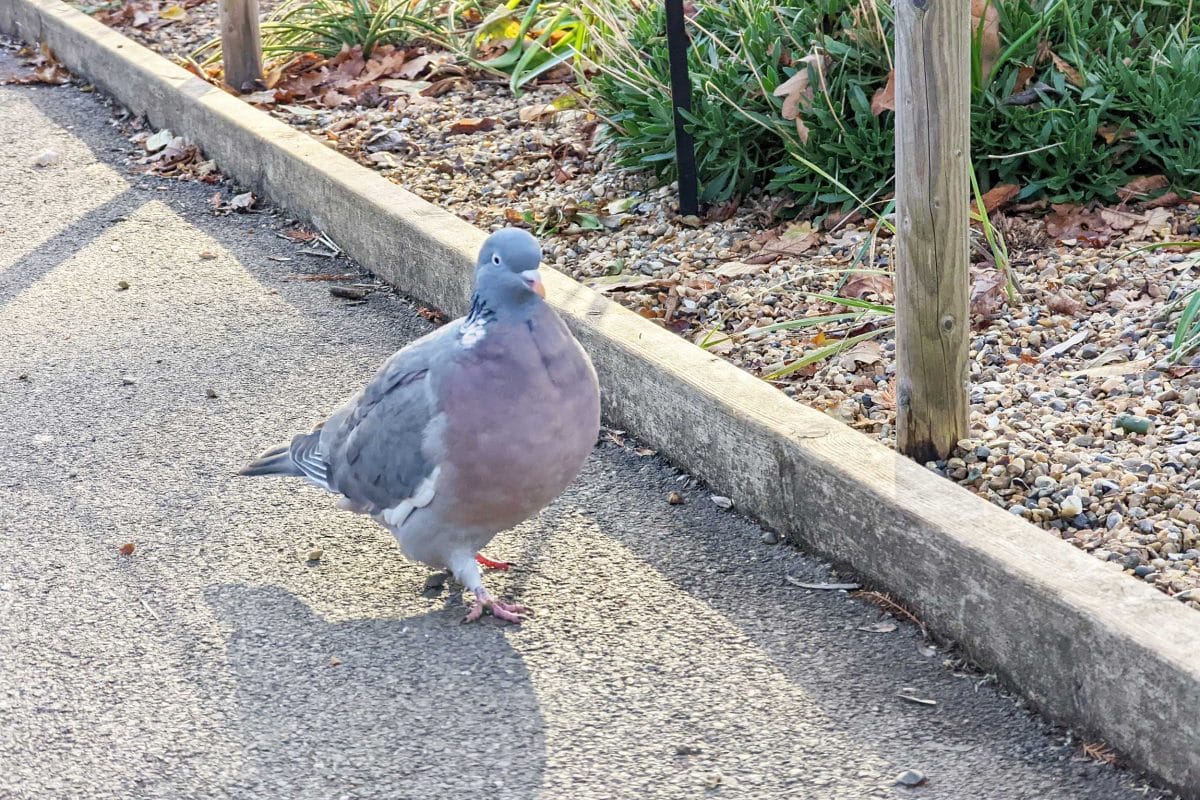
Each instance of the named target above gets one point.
<point>506,274</point>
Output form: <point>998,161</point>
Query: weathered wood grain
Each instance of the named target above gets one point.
<point>241,45</point>
<point>933,114</point>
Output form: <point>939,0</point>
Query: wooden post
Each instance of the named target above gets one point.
<point>933,147</point>
<point>241,46</point>
<point>681,98</point>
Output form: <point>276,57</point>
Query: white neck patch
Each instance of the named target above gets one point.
<point>472,333</point>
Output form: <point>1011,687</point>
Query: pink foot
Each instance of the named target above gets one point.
<point>508,612</point>
<point>490,564</point>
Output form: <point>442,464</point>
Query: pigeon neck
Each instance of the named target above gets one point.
<point>480,310</point>
<point>487,308</point>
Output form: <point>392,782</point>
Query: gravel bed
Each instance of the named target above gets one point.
<point>1079,424</point>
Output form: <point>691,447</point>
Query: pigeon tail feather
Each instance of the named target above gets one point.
<point>276,461</point>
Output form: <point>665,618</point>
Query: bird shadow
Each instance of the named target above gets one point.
<point>374,707</point>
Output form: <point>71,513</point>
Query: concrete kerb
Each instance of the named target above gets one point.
<point>1092,648</point>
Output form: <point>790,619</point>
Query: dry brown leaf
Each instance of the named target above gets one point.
<point>722,211</point>
<point>876,284</point>
<point>385,61</point>
<point>998,196</point>
<point>473,125</point>
<point>1070,222</point>
<point>1120,220</point>
<point>243,201</point>
<point>299,235</point>
<point>797,92</point>
<point>539,112</point>
<point>46,69</point>
<point>1111,134</point>
<point>867,352</point>
<point>1072,74</point>
<point>264,98</point>
<point>794,239</point>
<point>738,269</point>
<point>1063,303</point>
<point>1155,224</point>
<point>416,66</point>
<point>885,98</point>
<point>1024,76</point>
<point>985,24</point>
<point>1142,187</point>
<point>1170,199</point>
<point>987,295</point>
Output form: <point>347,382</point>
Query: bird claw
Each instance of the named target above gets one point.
<point>508,612</point>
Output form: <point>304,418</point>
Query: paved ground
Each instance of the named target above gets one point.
<point>667,657</point>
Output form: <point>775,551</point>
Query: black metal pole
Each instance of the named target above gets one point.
<point>681,98</point>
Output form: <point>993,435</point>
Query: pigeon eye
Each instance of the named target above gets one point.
<point>496,258</point>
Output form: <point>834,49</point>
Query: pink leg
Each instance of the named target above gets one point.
<point>490,564</point>
<point>508,612</point>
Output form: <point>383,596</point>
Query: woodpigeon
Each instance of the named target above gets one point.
<point>465,432</point>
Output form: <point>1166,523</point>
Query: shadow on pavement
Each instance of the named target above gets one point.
<point>374,707</point>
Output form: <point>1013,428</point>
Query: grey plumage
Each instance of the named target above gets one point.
<point>466,431</point>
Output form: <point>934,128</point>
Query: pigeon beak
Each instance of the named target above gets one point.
<point>533,279</point>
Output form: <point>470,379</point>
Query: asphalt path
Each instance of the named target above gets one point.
<point>668,657</point>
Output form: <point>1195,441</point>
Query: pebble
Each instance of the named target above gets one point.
<point>46,158</point>
<point>1072,506</point>
<point>910,777</point>
<point>315,554</point>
